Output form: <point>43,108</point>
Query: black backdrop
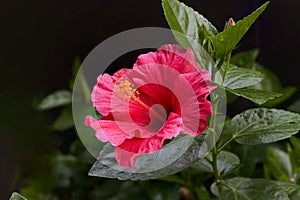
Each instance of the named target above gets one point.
<point>39,40</point>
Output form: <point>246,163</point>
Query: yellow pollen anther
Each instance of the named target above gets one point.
<point>124,89</point>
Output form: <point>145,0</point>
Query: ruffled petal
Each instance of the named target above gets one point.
<point>175,56</point>
<point>130,149</point>
<point>94,124</point>
<point>103,90</point>
<point>202,88</point>
<point>108,130</point>
<point>111,130</point>
<point>200,82</point>
<point>171,128</point>
<point>171,55</point>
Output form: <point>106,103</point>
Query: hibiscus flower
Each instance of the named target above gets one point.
<point>163,95</point>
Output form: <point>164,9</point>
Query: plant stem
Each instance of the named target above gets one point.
<point>215,150</point>
<point>215,168</point>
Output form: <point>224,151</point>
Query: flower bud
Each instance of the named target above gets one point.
<point>229,23</point>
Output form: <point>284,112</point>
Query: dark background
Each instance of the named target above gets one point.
<point>40,39</point>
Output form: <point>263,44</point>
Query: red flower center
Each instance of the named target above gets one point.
<point>148,109</point>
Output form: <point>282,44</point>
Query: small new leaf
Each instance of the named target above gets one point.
<point>279,164</point>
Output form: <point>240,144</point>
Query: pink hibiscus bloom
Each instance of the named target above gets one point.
<point>162,95</point>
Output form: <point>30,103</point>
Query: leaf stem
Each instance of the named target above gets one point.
<point>234,136</point>
<point>224,145</point>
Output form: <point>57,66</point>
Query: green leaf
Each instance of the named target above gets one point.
<point>248,156</point>
<point>256,96</point>
<point>56,99</point>
<point>296,144</point>
<point>97,115</point>
<point>227,40</point>
<point>265,91</point>
<point>237,77</point>
<point>173,179</point>
<point>114,189</point>
<point>202,193</point>
<point>270,81</point>
<point>286,92</point>
<point>245,59</point>
<point>190,29</point>
<point>262,125</point>
<point>226,131</point>
<point>81,88</point>
<point>279,164</point>
<point>160,190</point>
<point>267,172</point>
<point>54,175</point>
<point>86,134</point>
<point>151,166</point>
<point>65,120</point>
<point>185,20</point>
<point>82,107</point>
<point>204,165</point>
<point>239,188</point>
<point>294,154</point>
<point>16,196</point>
<point>296,195</point>
<point>227,162</point>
